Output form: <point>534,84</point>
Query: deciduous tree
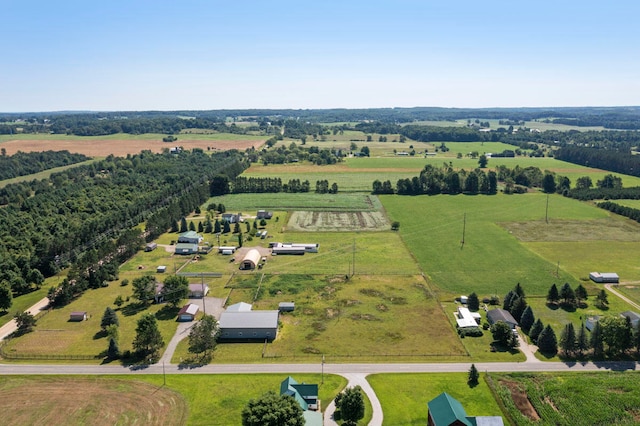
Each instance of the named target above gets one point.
<point>273,410</point>
<point>503,335</point>
<point>174,289</point>
<point>6,296</point>
<point>148,340</point>
<point>203,336</point>
<point>351,405</point>
<point>144,288</point>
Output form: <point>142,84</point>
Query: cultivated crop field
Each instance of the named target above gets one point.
<point>123,144</point>
<point>248,204</point>
<point>337,221</point>
<point>60,400</point>
<point>570,399</point>
<point>404,397</point>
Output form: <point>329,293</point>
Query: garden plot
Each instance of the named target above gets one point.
<point>338,221</point>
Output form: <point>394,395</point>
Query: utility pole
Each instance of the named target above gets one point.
<point>354,258</point>
<point>323,369</point>
<point>546,211</point>
<point>464,230</point>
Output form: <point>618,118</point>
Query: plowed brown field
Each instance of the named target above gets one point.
<point>88,401</point>
<point>102,148</point>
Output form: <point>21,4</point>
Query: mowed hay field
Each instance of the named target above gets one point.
<point>123,144</point>
<point>492,260</point>
<point>361,319</point>
<point>56,400</point>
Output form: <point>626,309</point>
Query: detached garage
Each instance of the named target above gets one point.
<point>188,312</point>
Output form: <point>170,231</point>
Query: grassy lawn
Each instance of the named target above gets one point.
<point>492,260</point>
<point>367,318</point>
<point>54,334</point>
<point>631,291</point>
<point>570,398</point>
<point>404,397</point>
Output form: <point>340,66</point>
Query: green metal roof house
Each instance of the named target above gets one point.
<point>445,410</point>
<point>307,396</point>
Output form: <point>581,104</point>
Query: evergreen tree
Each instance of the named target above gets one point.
<point>527,319</point>
<point>473,303</point>
<point>553,296</point>
<point>216,227</point>
<point>474,376</point>
<point>582,341</point>
<point>547,341</point>
<point>567,295</point>
<point>174,226</point>
<point>192,226</point>
<point>508,298</point>
<point>581,294</point>
<point>240,239</point>
<point>113,352</point>
<point>110,317</point>
<point>602,302</point>
<point>596,341</point>
<point>226,228</point>
<point>519,290</point>
<point>536,329</point>
<point>518,305</point>
<point>568,340</point>
<point>200,227</point>
<point>247,227</point>
<point>183,225</point>
<point>208,226</point>
<point>236,228</point>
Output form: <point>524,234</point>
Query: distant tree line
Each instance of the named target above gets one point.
<point>294,153</point>
<point>243,184</point>
<point>26,163</point>
<point>612,160</point>
<point>630,212</point>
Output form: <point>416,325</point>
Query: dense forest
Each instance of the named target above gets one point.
<point>611,160</point>
<point>84,216</point>
<point>26,163</point>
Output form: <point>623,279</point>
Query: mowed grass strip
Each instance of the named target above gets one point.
<point>404,397</point>
<point>491,259</point>
<point>601,398</point>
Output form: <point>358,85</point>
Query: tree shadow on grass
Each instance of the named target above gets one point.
<point>167,312</point>
<point>497,347</point>
<point>100,334</point>
<point>133,308</point>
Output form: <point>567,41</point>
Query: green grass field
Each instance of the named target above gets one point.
<point>492,260</point>
<point>404,397</point>
<point>601,398</point>
<point>363,319</point>
<point>24,302</point>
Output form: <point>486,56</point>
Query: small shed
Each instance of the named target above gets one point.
<point>150,247</point>
<point>78,316</point>
<point>188,312</point>
<point>286,306</point>
<point>263,214</point>
<point>590,322</point>
<point>227,250</point>
<point>495,315</point>
<point>251,260</point>
<point>198,291</point>
<point>161,269</point>
<point>464,299</point>
<point>634,317</point>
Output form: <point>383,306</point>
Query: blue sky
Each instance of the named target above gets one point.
<point>197,54</point>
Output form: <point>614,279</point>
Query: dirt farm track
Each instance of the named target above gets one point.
<point>120,148</point>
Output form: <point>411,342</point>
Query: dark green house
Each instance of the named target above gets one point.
<point>445,410</point>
